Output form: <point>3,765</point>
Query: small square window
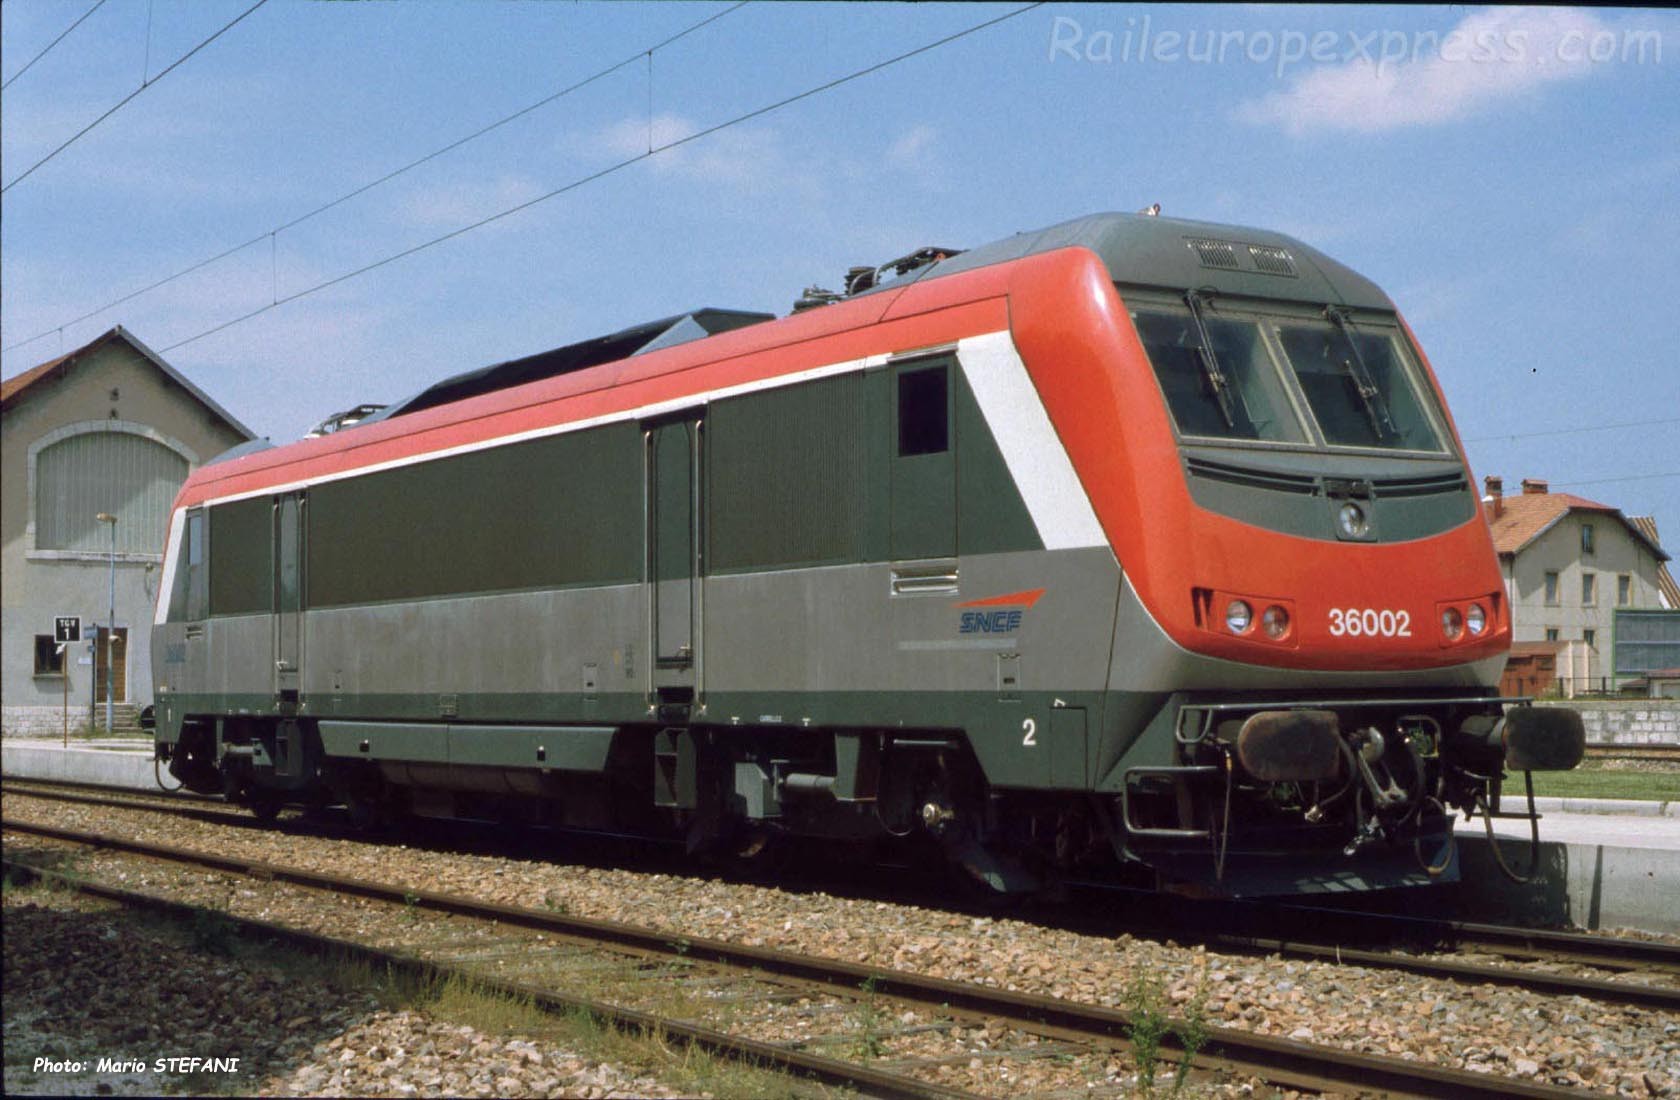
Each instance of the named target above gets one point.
<point>923,418</point>
<point>1586,538</point>
<point>1551,633</point>
<point>1590,637</point>
<point>1589,589</point>
<point>1624,590</point>
<point>1551,586</point>
<point>49,661</point>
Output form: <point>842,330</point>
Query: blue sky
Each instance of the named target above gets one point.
<point>1515,186</point>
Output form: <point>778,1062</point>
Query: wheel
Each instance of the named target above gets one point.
<point>265,807</point>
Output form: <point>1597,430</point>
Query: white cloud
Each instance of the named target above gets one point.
<point>914,149</point>
<point>1489,58</point>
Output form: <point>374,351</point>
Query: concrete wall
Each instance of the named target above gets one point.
<point>114,383</point>
<point>1628,721</point>
<point>1589,886</point>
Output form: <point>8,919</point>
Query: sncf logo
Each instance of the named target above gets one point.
<point>996,614</point>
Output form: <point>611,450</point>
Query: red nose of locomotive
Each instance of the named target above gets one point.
<point>1278,476</point>
<point>1261,597</point>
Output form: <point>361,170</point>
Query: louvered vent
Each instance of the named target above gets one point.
<point>1419,486</point>
<point>1253,477</point>
<point>1220,254</point>
<point>1273,261</point>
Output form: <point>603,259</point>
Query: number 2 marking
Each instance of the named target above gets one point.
<point>1029,732</point>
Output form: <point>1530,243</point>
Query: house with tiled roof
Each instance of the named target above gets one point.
<point>1570,564</point>
<point>94,445</point>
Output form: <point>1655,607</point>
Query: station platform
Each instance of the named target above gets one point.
<point>116,762</point>
<point>1604,863</point>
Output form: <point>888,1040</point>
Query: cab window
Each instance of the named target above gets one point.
<point>1358,386</point>
<point>1227,388</point>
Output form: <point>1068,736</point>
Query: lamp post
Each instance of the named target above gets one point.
<point>110,624</point>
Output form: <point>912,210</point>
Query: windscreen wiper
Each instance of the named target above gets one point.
<point>1217,383</point>
<point>1376,409</point>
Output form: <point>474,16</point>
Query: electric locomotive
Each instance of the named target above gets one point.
<point>1133,542</point>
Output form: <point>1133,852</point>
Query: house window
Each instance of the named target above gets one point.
<point>49,661</point>
<point>1552,587</point>
<point>1586,538</point>
<point>1590,637</point>
<point>1624,590</point>
<point>1589,589</point>
<point>1551,633</point>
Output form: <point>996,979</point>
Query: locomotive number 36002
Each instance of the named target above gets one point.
<point>1357,622</point>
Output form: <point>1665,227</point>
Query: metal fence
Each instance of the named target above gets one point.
<point>1577,687</point>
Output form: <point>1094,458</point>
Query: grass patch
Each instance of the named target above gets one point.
<point>867,1019</point>
<point>686,1069</point>
<point>1592,780</point>
<point>463,1001</point>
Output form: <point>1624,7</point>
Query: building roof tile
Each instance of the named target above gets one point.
<point>1525,517</point>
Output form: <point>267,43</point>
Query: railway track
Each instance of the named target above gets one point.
<point>829,1071</point>
<point>1663,752</point>
<point>1060,1027</point>
<point>1337,932</point>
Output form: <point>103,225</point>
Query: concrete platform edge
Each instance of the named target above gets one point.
<point>118,769</point>
<point>1591,886</point>
<point>1594,806</point>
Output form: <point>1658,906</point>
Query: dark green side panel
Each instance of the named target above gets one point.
<point>241,549</point>
<point>787,484</point>
<point>552,512</point>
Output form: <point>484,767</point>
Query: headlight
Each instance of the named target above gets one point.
<point>1351,518</point>
<point>1276,621</point>
<point>1476,619</point>
<point>1452,623</point>
<point>1238,616</point>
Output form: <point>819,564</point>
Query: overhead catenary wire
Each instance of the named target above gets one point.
<point>608,171</point>
<point>361,189</point>
<point>1575,431</point>
<point>48,47</point>
<point>120,104</point>
<point>1609,480</point>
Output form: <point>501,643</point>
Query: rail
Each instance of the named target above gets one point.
<point>1604,952</point>
<point>1283,1062</point>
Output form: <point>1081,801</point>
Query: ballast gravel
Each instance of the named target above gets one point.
<point>1498,1030</point>
<point>101,998</point>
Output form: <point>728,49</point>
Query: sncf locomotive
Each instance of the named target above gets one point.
<point>1130,543</point>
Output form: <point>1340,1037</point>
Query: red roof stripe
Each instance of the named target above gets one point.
<point>687,373</point>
